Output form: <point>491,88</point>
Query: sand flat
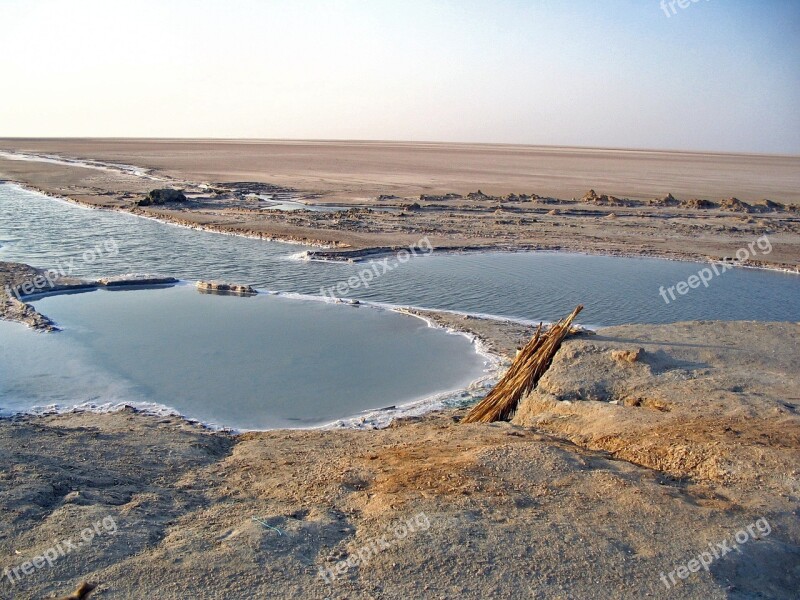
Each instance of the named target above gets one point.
<point>359,169</point>
<point>622,218</point>
<point>595,500</point>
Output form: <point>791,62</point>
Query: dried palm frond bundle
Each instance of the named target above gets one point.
<point>81,592</point>
<point>523,374</point>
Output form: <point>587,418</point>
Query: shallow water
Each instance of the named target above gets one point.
<point>273,202</point>
<point>243,362</point>
<point>86,164</point>
<point>277,361</point>
<point>536,286</point>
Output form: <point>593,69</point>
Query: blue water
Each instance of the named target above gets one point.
<point>537,286</point>
<point>243,362</point>
<point>272,361</point>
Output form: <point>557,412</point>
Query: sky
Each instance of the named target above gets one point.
<point>717,75</point>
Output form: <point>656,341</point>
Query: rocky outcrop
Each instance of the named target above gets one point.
<point>437,198</point>
<point>479,196</point>
<point>219,287</point>
<point>591,197</point>
<point>12,309</point>
<point>668,200</point>
<point>698,204</point>
<point>162,196</point>
<point>768,206</point>
<point>654,395</point>
<point>736,205</point>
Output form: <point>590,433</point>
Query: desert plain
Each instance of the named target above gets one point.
<point>650,461</point>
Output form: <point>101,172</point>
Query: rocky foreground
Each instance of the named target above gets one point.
<point>653,462</point>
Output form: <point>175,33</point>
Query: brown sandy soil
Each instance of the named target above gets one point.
<point>614,471</point>
<point>587,499</point>
<point>363,170</point>
<point>724,395</point>
<point>357,173</point>
<point>12,305</point>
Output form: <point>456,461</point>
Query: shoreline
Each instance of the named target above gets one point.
<point>332,253</point>
<point>573,477</point>
<point>376,418</point>
<point>164,219</point>
<point>370,253</point>
<point>16,308</point>
<point>644,451</point>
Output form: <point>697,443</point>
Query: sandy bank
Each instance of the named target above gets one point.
<point>580,498</point>
<point>20,282</point>
<point>720,202</point>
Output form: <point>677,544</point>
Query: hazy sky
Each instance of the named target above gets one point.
<point>717,75</point>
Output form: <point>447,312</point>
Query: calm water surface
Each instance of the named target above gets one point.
<point>274,361</point>
<point>536,286</point>
<point>249,363</point>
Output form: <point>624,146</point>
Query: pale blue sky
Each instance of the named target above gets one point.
<point>717,75</point>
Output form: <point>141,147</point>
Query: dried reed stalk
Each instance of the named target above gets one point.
<point>523,374</point>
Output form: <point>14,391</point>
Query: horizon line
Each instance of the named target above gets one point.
<point>389,141</point>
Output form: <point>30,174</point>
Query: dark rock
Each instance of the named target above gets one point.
<point>164,196</point>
